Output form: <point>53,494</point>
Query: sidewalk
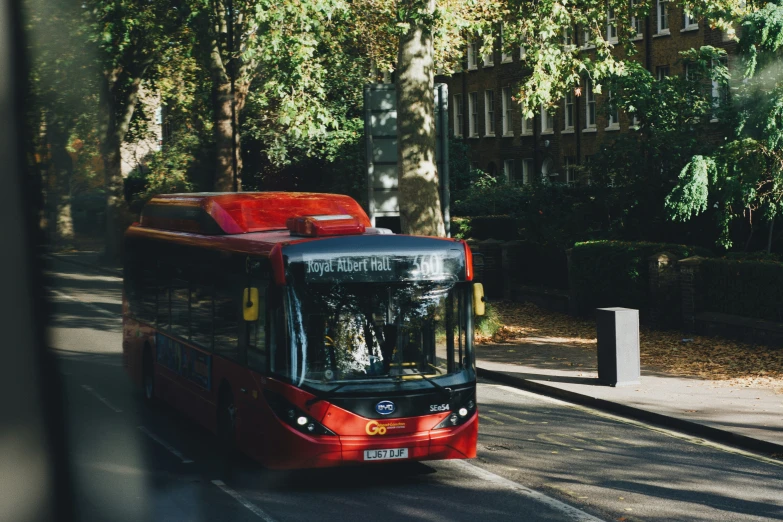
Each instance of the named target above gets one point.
<point>744,416</point>
<point>88,259</point>
<point>751,418</point>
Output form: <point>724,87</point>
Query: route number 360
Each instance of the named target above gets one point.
<point>428,265</point>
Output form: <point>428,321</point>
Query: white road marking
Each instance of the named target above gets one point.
<point>165,444</point>
<point>245,502</point>
<point>102,399</point>
<point>568,512</point>
<point>89,305</point>
<point>639,424</point>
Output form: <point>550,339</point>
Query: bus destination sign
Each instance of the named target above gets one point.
<point>437,266</point>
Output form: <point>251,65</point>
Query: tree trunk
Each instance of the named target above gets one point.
<point>117,108</point>
<point>226,128</point>
<point>420,208</point>
<point>60,222</point>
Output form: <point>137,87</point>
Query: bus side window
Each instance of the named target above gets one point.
<point>148,283</point>
<point>180,296</point>
<point>228,313</point>
<point>164,304</point>
<point>256,339</point>
<point>202,292</point>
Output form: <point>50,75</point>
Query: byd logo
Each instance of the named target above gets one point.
<point>385,407</point>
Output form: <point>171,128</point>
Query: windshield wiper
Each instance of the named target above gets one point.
<point>328,394</point>
<point>446,391</point>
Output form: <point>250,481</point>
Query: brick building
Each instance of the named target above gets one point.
<point>483,114</point>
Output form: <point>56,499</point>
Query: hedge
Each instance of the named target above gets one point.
<point>747,288</point>
<point>542,265</point>
<point>616,273</point>
<point>502,228</point>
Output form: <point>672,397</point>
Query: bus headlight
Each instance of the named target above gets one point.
<point>458,415</point>
<point>294,417</point>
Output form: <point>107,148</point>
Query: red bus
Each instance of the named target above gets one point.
<point>299,334</point>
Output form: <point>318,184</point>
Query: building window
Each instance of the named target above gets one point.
<point>568,38</point>
<point>611,26</point>
<point>636,21</point>
<point>527,169</point>
<point>661,72</point>
<point>635,121</point>
<point>569,164</point>
<point>473,49</point>
<point>689,23</point>
<point>569,110</point>
<point>587,168</point>
<point>508,130</point>
<point>690,70</point>
<point>508,170</point>
<point>489,59</point>
<point>547,121</point>
<point>614,113</point>
<point>489,113</point>
<point>473,114</point>
<point>663,16</point>
<point>504,58</point>
<point>720,93</point>
<point>589,105</point>
<point>588,38</point>
<point>457,115</point>
<point>527,126</point>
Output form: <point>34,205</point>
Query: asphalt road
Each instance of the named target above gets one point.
<point>539,458</point>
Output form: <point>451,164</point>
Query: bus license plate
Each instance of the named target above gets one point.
<point>386,454</point>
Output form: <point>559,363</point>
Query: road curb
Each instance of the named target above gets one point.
<point>691,428</point>
<point>115,272</point>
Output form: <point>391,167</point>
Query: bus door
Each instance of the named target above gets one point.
<point>248,384</point>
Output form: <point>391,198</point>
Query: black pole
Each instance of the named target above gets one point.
<point>231,74</point>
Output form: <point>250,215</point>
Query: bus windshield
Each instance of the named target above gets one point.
<point>346,332</point>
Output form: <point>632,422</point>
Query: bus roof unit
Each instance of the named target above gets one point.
<point>243,212</point>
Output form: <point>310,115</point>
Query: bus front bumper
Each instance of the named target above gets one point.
<point>446,443</point>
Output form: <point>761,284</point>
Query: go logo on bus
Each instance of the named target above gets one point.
<point>375,428</point>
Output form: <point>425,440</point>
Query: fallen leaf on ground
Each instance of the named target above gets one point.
<point>713,358</point>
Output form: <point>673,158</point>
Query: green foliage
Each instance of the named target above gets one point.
<point>488,324</point>
<point>743,179</point>
<point>748,288</point>
<point>615,273</point>
<point>549,214</point>
<point>460,228</point>
<point>690,197</point>
<point>493,227</point>
<point>170,170</point>
<point>306,78</point>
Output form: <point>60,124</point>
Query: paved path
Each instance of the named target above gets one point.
<point>755,413</point>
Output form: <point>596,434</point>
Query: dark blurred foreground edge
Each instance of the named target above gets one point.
<point>34,473</point>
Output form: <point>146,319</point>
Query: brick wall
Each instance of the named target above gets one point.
<point>489,153</point>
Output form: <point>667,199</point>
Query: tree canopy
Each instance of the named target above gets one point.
<point>744,176</point>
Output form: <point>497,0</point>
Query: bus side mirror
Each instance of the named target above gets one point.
<point>478,299</point>
<point>250,304</point>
